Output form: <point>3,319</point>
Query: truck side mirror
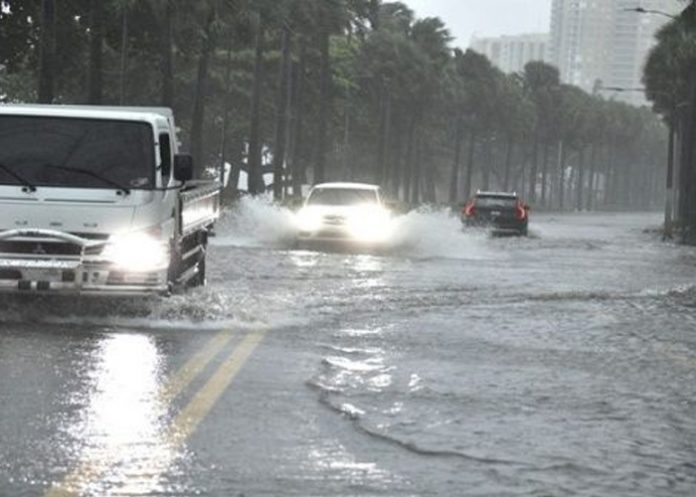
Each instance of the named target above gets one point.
<point>183,167</point>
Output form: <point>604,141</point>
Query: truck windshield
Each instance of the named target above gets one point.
<point>78,153</point>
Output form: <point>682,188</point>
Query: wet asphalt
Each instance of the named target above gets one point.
<point>563,364</point>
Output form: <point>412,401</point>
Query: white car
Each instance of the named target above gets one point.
<point>344,212</point>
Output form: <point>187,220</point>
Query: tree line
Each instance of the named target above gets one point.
<point>315,90</point>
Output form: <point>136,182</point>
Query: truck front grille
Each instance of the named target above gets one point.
<point>39,248</point>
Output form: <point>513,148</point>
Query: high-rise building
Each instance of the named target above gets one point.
<point>512,53</point>
<point>604,43</point>
<point>633,37</point>
<point>581,40</point>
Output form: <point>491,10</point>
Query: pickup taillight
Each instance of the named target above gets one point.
<point>521,212</point>
<point>469,210</point>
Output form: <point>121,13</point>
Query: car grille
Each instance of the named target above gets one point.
<point>334,220</point>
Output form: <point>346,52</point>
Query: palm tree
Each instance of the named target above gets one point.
<point>542,83</point>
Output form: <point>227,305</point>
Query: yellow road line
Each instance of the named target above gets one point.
<point>185,424</point>
<point>195,365</point>
<point>90,471</point>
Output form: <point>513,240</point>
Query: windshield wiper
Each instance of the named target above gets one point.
<point>24,182</point>
<point>86,172</point>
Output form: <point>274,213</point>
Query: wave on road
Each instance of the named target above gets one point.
<point>199,308</point>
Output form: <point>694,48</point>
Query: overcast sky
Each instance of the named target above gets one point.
<point>465,18</point>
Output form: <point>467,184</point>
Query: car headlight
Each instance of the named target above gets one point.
<point>137,252</point>
<point>370,224</point>
<point>308,220</point>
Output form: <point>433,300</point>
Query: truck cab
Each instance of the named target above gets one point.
<point>98,200</point>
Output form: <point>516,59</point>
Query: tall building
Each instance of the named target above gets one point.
<point>512,53</point>
<point>604,43</point>
<point>633,37</point>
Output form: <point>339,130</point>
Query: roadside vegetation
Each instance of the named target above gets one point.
<point>314,90</point>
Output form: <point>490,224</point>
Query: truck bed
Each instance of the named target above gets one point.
<point>200,205</point>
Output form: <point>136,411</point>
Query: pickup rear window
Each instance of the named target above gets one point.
<point>72,152</point>
<point>496,202</point>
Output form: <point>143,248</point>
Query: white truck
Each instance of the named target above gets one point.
<point>98,200</point>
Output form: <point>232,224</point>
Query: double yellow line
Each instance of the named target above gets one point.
<point>185,423</point>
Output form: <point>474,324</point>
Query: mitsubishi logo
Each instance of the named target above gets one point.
<point>39,250</point>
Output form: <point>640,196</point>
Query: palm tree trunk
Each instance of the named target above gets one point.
<point>470,164</point>
<point>124,55</point>
<point>197,145</point>
<point>508,163</point>
<point>561,176</point>
<point>47,54</point>
<point>456,165</point>
<point>416,175</point>
<point>396,168</point>
<point>282,117</point>
<point>167,57</point>
<point>408,160</point>
<point>591,193</point>
<point>96,51</point>
<point>384,135</point>
<point>226,112</point>
<point>544,174</point>
<point>534,171</point>
<point>298,170</point>
<point>579,191</point>
<point>324,96</point>
<point>256,184</point>
<point>236,156</point>
<point>489,165</point>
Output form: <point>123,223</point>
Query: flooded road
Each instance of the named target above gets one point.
<point>451,364</point>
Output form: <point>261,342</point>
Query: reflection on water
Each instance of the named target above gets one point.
<point>123,424</point>
<point>303,259</point>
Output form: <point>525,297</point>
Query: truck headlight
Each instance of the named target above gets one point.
<point>308,220</point>
<point>137,252</point>
<point>370,224</point>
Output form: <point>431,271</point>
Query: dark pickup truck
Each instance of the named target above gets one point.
<point>505,213</point>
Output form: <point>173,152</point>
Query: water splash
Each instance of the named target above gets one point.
<point>256,222</point>
<point>424,233</point>
<point>437,233</point>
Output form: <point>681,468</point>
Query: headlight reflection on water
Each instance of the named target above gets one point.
<point>123,426</point>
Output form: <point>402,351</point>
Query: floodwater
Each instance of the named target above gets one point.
<point>451,364</point>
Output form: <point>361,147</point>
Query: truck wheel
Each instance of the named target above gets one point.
<point>200,279</point>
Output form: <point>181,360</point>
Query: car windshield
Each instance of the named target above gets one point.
<point>499,202</point>
<point>80,153</point>
<point>342,196</point>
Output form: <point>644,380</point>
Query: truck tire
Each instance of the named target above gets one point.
<point>200,279</point>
